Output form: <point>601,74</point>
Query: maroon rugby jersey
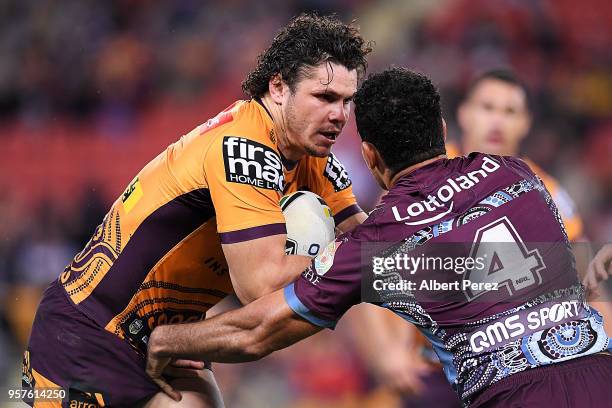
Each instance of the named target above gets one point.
<point>472,250</point>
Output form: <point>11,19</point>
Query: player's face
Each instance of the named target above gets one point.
<point>494,119</point>
<point>319,108</point>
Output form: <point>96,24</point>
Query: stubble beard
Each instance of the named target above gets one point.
<point>296,127</point>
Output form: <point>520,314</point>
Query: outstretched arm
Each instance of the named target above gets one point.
<point>600,268</point>
<point>249,333</point>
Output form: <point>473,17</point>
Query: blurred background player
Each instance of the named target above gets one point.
<point>202,221</point>
<point>494,117</point>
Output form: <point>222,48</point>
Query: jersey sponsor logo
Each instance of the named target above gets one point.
<point>131,195</point>
<point>82,399</point>
<point>249,162</point>
<point>218,266</point>
<point>502,331</point>
<point>336,174</point>
<point>442,199</point>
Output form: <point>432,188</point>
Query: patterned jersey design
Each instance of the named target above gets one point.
<point>474,371</point>
<point>538,316</point>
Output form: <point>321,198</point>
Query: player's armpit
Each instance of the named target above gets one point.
<point>260,266</point>
<point>245,334</point>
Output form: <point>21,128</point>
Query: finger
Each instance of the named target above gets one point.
<point>176,372</point>
<point>590,280</point>
<point>593,282</point>
<point>588,283</point>
<point>182,363</point>
<point>167,388</point>
<point>600,271</point>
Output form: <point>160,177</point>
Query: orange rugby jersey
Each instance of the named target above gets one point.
<point>157,256</point>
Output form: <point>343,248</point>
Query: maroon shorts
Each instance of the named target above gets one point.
<point>69,350</point>
<point>579,383</point>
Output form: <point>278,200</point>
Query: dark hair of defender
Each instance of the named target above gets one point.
<point>499,74</point>
<point>398,111</point>
<point>307,41</point>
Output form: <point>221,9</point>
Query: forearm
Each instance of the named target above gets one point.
<point>227,338</point>
<point>245,334</point>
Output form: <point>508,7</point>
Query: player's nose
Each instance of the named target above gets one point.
<point>339,113</point>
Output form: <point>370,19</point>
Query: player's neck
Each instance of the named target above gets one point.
<point>412,168</point>
<point>288,150</point>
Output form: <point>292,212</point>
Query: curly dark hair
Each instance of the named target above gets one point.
<point>307,40</point>
<point>398,111</point>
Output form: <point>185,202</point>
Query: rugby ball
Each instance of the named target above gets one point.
<point>309,221</point>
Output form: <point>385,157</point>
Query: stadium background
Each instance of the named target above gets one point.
<point>92,90</point>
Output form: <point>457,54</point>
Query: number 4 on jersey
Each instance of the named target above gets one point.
<point>507,261</point>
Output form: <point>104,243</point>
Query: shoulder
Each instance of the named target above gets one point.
<point>242,118</point>
<point>243,132</point>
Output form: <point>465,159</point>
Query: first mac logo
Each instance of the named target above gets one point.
<point>249,162</point>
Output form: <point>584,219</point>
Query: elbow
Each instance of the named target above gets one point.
<point>248,295</point>
<point>256,290</point>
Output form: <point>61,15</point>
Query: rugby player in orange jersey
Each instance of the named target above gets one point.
<point>494,118</point>
<point>202,221</point>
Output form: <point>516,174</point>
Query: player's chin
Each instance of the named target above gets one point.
<point>318,150</point>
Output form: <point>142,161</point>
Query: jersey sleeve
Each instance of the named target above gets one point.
<point>330,285</point>
<point>335,187</point>
<point>245,178</point>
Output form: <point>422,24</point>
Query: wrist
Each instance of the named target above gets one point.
<point>156,346</point>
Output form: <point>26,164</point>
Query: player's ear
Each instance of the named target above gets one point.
<point>526,124</point>
<point>462,115</point>
<point>375,164</point>
<point>276,87</point>
<point>444,130</point>
<point>372,157</point>
<point>367,151</point>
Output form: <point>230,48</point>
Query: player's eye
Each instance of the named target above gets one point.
<point>326,97</point>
